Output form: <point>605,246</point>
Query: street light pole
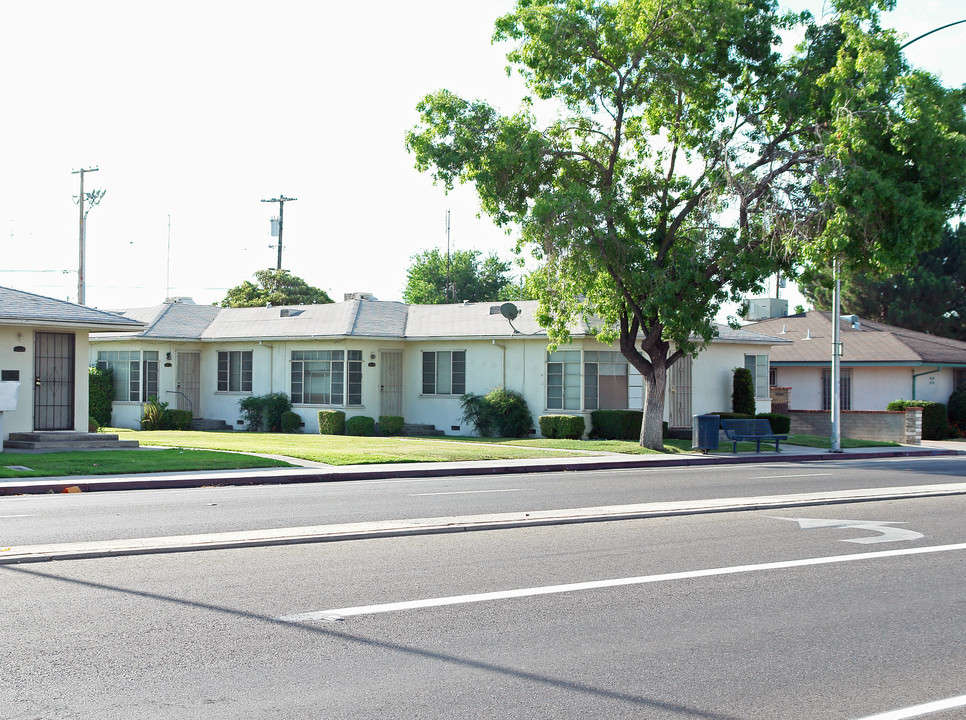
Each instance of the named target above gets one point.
<point>281,200</point>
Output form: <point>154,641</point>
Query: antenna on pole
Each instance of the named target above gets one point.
<point>167,276</point>
<point>93,197</point>
<point>281,200</point>
<point>450,292</point>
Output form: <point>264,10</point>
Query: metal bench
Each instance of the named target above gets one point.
<point>748,430</point>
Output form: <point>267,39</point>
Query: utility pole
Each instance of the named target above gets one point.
<point>281,200</point>
<point>94,197</point>
<point>450,292</point>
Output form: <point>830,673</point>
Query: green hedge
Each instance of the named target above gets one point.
<point>616,424</point>
<point>733,416</point>
<point>331,422</point>
<point>935,423</point>
<point>100,391</point>
<point>956,410</point>
<point>570,427</point>
<point>291,422</point>
<point>501,412</point>
<point>180,419</point>
<point>391,424</point>
<point>780,424</point>
<point>362,425</point>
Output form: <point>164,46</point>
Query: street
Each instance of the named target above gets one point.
<point>826,611</point>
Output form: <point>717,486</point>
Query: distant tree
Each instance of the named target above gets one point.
<point>472,278</point>
<point>929,295</point>
<point>275,287</point>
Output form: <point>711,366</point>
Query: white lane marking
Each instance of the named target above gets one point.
<point>465,492</point>
<point>888,533</point>
<point>920,710</point>
<point>782,477</point>
<point>341,613</point>
<point>13,516</point>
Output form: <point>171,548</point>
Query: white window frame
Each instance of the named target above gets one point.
<point>758,366</point>
<point>344,371</point>
<point>135,373</point>
<point>235,369</point>
<point>444,372</point>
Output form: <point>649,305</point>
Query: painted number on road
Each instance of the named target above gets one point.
<point>887,533</point>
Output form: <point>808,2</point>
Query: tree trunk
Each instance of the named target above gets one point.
<point>652,424</point>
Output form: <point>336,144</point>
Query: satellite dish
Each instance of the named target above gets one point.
<point>509,311</point>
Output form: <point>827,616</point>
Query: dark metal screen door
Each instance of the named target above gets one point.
<point>54,381</point>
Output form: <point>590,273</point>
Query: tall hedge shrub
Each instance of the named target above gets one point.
<point>935,423</point>
<point>743,392</point>
<point>100,388</point>
<point>956,410</point>
<point>501,412</point>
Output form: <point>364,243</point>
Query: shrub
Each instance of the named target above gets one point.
<point>570,427</point>
<point>502,412</point>
<point>180,419</point>
<point>275,405</point>
<point>391,424</point>
<point>252,407</point>
<point>743,392</point>
<point>935,423</point>
<point>291,422</point>
<point>956,409</point>
<point>733,415</point>
<point>511,416</point>
<point>155,415</point>
<point>360,425</point>
<point>616,424</point>
<point>780,424</point>
<point>92,426</point>
<point>477,412</point>
<point>331,422</point>
<point>100,389</point>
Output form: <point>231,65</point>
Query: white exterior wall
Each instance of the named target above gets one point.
<point>22,419</point>
<point>712,377</point>
<point>873,388</point>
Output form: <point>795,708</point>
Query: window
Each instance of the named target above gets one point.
<point>772,377</point>
<point>845,384</point>
<point>235,371</point>
<point>444,372</point>
<point>327,377</point>
<point>135,373</point>
<point>959,378</point>
<point>758,366</point>
<point>563,380</point>
<point>605,380</point>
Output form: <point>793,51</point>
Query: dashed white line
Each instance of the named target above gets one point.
<point>336,614</point>
<point>920,710</point>
<point>15,516</point>
<point>782,477</point>
<point>465,492</point>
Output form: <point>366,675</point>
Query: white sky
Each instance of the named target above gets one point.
<point>197,110</point>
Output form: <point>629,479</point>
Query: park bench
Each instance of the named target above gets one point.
<point>748,430</point>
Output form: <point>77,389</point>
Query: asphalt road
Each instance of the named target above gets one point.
<point>34,519</point>
<point>731,616</point>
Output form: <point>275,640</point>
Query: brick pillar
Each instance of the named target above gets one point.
<point>913,429</point>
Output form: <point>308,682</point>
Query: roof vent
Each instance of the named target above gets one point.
<point>346,297</point>
<point>495,310</point>
<point>808,335</point>
<point>289,312</point>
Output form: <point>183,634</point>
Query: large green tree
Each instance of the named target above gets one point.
<point>433,280</point>
<point>929,295</point>
<point>275,287</point>
<point>690,159</point>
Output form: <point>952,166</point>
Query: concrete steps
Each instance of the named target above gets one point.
<point>66,441</point>
<point>416,430</point>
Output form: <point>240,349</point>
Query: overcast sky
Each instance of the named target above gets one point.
<point>196,111</point>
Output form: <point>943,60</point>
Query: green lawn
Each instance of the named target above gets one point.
<point>193,451</point>
<point>119,462</point>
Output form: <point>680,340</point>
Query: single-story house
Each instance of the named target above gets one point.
<point>44,359</point>
<point>370,357</point>
<point>879,362</point>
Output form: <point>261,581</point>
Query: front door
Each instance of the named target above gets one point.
<point>189,382</point>
<point>54,381</point>
<point>390,383</point>
<point>679,380</point>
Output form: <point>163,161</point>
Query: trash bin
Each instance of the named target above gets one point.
<point>704,432</point>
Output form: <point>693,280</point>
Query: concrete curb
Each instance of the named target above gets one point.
<point>284,476</point>
<point>470,523</point>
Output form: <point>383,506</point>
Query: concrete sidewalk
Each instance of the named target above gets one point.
<point>283,476</point>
